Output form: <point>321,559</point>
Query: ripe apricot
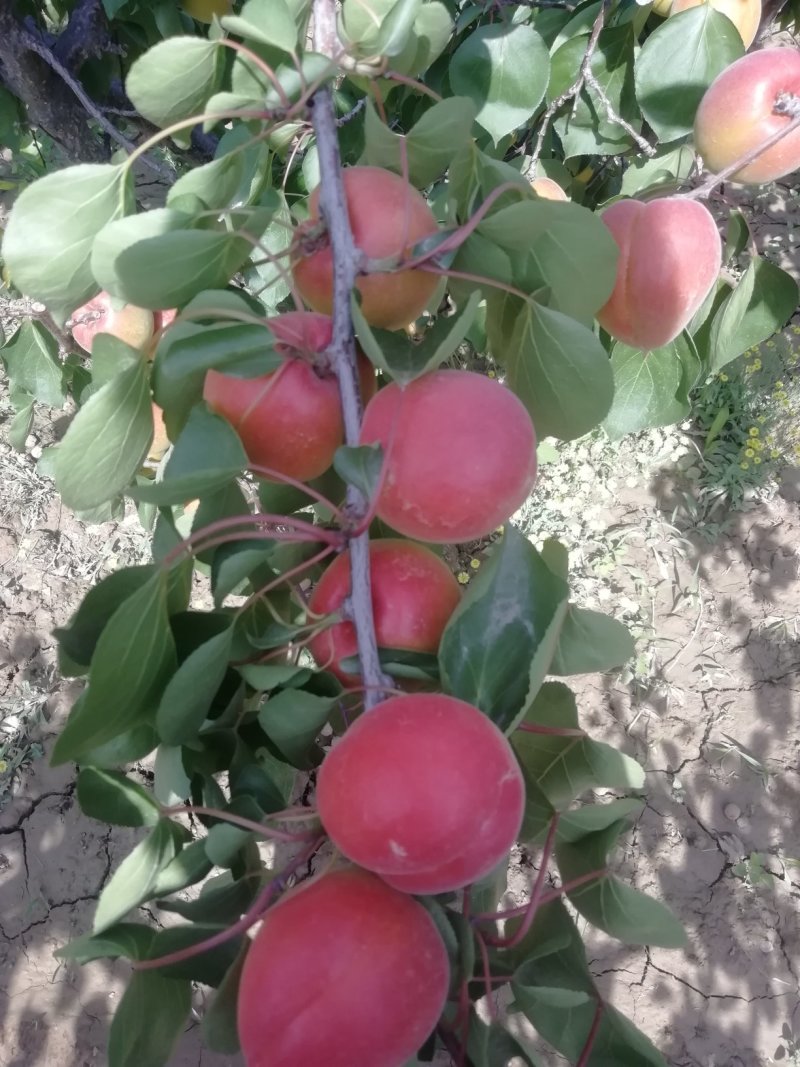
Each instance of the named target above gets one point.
<point>460,455</point>
<point>388,217</point>
<point>160,439</point>
<point>547,189</point>
<point>205,10</point>
<point>737,114</point>
<point>289,420</point>
<point>670,256</point>
<point>414,593</point>
<point>424,790</point>
<point>131,324</point>
<point>744,14</point>
<point>344,972</point>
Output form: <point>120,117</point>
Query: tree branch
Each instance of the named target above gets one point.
<point>347,260</point>
<point>586,77</point>
<point>86,35</point>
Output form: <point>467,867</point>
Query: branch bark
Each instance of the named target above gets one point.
<point>347,261</point>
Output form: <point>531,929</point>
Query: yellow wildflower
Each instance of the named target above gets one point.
<point>474,563</point>
<point>723,377</point>
<point>463,577</point>
<point>774,454</point>
<point>744,465</point>
<point>754,431</point>
<point>749,453</point>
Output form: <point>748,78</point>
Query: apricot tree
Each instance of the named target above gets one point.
<point>346,750</point>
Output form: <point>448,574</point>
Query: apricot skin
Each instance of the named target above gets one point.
<point>547,189</point>
<point>414,594</point>
<point>460,455</point>
<point>670,256</point>
<point>289,420</point>
<point>424,790</point>
<point>388,217</point>
<point>744,14</point>
<point>344,972</point>
<point>133,325</point>
<point>736,114</point>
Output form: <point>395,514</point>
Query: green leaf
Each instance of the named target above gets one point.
<point>32,363</point>
<point>504,69</point>
<point>20,425</point>
<point>760,305</point>
<point>565,249</point>
<point>148,1021</point>
<point>269,22</point>
<point>112,797</point>
<point>490,643</point>
<point>207,967</point>
<point>216,183</point>
<point>360,466</point>
<point>222,900</point>
<point>292,719</point>
<point>174,79</point>
<point>556,366</point>
<point>591,641</point>
<point>134,658</point>
<point>564,766</point>
<point>578,822</point>
<point>396,27</point>
<point>48,239</point>
<point>668,166</point>
<point>563,967</point>
<point>207,454</point>
<point>131,940</point>
<point>187,698</point>
<point>430,145</point>
<point>646,386</point>
<point>404,360</point>
<point>171,784</point>
<point>155,261</point>
<point>106,442</point>
<point>585,128</point>
<point>135,879</point>
<point>79,638</point>
<point>687,50</point>
<point>219,1022</point>
<point>191,865</point>
<point>608,903</point>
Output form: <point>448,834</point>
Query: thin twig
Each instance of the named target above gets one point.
<point>593,1031</point>
<point>347,260</point>
<point>785,104</point>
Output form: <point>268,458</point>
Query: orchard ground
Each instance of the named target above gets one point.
<point>711,706</point>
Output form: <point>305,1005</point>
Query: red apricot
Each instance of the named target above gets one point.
<point>460,455</point>
<point>424,790</point>
<point>670,255</point>
<point>414,594</point>
<point>289,420</point>
<point>737,114</point>
<point>388,217</point>
<point>344,972</point>
<point>131,324</point>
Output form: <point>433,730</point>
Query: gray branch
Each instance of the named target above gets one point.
<point>342,350</point>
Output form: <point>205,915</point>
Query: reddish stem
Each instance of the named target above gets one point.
<point>262,65</point>
<point>285,577</point>
<point>285,479</point>
<point>412,83</point>
<point>550,731</point>
<point>487,976</point>
<point>592,1035</point>
<point>238,820</point>
<point>546,898</point>
<point>251,916</point>
<point>536,895</point>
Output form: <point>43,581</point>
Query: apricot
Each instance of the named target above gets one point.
<point>131,324</point>
<point>344,972</point>
<point>388,217</point>
<point>289,420</point>
<point>744,14</point>
<point>736,115</point>
<point>670,257</point>
<point>414,594</point>
<point>425,791</point>
<point>161,441</point>
<point>547,189</point>
<point>460,455</point>
<point>205,10</point>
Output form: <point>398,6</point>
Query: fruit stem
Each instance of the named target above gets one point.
<point>238,820</point>
<point>593,1031</point>
<point>785,104</point>
<point>536,895</point>
<point>251,916</point>
<point>342,351</point>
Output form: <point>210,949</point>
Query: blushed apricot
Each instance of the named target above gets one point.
<point>388,217</point>
<point>670,255</point>
<point>133,325</point>
<point>289,420</point>
<point>414,594</point>
<point>737,114</point>
<point>424,790</point>
<point>744,14</point>
<point>344,972</point>
<point>547,189</point>
<point>459,451</point>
